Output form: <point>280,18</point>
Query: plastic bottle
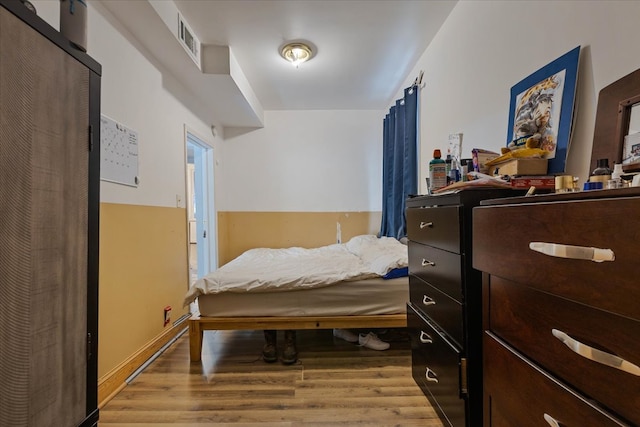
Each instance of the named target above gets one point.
<point>437,172</point>
<point>602,173</point>
<point>466,166</point>
<point>448,163</point>
<point>454,172</point>
<point>616,175</point>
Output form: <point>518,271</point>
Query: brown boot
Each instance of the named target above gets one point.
<point>270,351</point>
<point>290,353</point>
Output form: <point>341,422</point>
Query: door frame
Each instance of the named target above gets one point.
<point>207,247</point>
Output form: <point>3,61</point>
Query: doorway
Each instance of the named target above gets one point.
<point>200,207</point>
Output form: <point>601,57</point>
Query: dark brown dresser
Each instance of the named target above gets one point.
<point>444,314</point>
<point>561,305</point>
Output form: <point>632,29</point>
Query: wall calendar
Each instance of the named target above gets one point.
<point>118,153</point>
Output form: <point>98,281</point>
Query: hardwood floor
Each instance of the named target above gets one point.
<point>333,383</point>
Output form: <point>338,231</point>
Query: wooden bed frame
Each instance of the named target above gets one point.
<point>198,324</point>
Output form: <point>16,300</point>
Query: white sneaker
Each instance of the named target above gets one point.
<point>372,341</point>
<point>345,335</point>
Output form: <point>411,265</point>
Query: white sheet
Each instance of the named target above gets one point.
<point>271,270</point>
<point>352,298</point>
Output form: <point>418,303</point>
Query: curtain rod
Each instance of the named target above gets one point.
<point>418,80</point>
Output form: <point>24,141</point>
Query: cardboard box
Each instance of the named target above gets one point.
<point>480,157</point>
<point>526,166</point>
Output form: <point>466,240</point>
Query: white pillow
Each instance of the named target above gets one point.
<point>379,254</point>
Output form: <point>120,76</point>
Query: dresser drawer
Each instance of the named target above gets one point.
<point>444,311</point>
<point>435,226</point>
<point>441,269</point>
<point>436,368</point>
<point>501,247</point>
<point>535,323</point>
<point>537,395</point>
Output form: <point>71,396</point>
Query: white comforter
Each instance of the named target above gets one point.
<point>270,270</point>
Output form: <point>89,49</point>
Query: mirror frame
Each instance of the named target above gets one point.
<point>612,120</point>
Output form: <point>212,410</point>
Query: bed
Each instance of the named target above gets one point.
<point>358,284</point>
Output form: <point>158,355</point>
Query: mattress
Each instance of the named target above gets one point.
<point>358,297</point>
<point>277,270</point>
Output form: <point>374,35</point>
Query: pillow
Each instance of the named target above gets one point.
<point>379,254</point>
<point>397,272</point>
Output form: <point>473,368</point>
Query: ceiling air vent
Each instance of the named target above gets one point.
<point>188,40</point>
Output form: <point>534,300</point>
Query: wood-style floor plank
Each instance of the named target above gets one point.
<point>333,383</point>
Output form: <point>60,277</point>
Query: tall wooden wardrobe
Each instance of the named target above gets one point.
<point>49,207</point>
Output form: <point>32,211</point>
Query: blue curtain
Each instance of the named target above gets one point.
<point>399,163</point>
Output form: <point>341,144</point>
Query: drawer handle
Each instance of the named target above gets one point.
<point>573,252</point>
<point>425,338</point>
<point>426,300</point>
<point>431,376</point>
<point>596,355</point>
<point>425,225</point>
<point>426,262</point>
<point>551,421</point>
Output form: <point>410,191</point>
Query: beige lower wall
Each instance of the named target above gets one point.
<point>240,231</point>
<point>143,268</point>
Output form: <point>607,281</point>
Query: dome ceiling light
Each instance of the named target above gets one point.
<point>296,53</point>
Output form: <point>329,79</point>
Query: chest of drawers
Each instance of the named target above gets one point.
<point>445,311</point>
<point>561,331</point>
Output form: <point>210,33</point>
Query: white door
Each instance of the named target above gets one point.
<point>201,212</point>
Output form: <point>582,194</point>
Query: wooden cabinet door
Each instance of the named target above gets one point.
<point>44,155</point>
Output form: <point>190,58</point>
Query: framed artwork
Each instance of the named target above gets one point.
<point>542,107</point>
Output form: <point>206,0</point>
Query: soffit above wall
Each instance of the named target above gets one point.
<point>366,49</point>
<point>223,94</point>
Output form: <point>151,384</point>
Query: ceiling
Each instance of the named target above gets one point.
<point>365,50</point>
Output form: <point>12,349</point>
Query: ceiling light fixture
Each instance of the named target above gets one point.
<point>296,53</point>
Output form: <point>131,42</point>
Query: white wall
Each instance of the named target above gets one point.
<point>300,161</point>
<point>305,161</point>
<point>486,47</point>
<point>331,160</point>
<point>144,97</point>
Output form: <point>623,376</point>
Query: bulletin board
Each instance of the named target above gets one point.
<point>118,153</point>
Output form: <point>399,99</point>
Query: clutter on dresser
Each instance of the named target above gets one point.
<point>524,166</point>
<point>475,180</point>
<point>566,183</point>
<point>541,182</point>
<point>437,172</point>
<point>602,172</point>
<point>480,157</point>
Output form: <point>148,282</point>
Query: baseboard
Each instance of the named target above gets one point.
<point>113,382</point>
